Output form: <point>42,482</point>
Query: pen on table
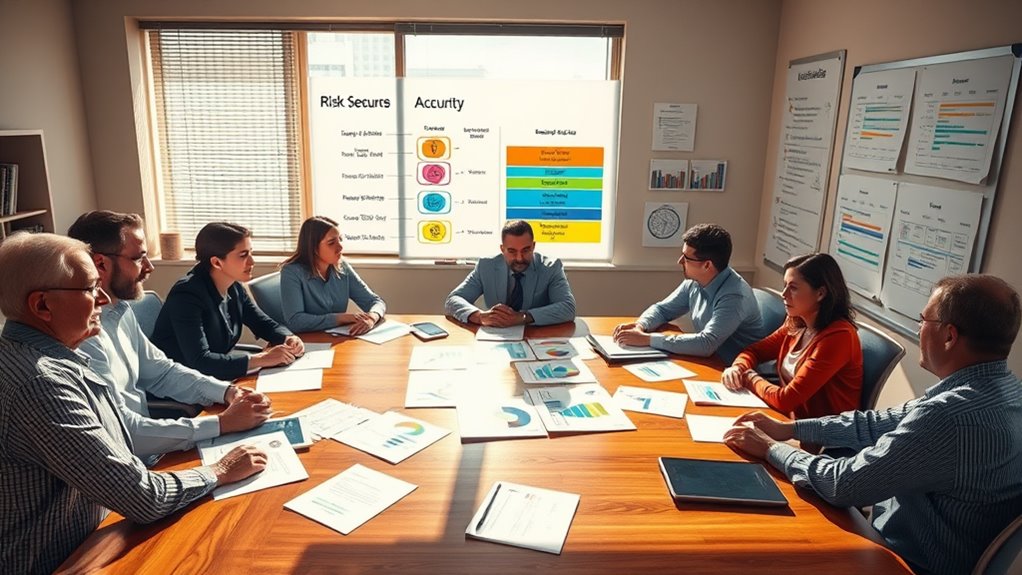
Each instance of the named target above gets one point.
<point>488,506</point>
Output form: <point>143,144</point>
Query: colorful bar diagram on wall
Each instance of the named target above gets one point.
<point>707,175</point>
<point>862,226</point>
<point>558,190</point>
<point>668,174</point>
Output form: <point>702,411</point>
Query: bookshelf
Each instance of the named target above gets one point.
<point>35,205</point>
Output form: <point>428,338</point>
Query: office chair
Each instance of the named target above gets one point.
<point>880,355</point>
<point>1004,554</point>
<point>771,309</point>
<point>146,311</point>
<point>266,293</point>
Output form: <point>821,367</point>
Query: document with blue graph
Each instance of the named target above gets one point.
<point>645,400</point>
<point>392,436</point>
<point>481,417</point>
<point>713,393</point>
<point>578,409</point>
<point>558,371</point>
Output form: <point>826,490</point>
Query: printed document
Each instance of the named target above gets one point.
<point>282,464</point>
<point>349,499</point>
<point>524,516</point>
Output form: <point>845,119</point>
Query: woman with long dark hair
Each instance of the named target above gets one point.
<point>819,359</point>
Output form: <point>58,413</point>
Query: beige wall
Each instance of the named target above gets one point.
<point>874,31</point>
<point>723,61</point>
<point>40,89</point>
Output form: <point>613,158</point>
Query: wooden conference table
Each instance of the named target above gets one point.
<point>626,521</point>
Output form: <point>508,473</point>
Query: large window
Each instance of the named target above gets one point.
<point>420,139</point>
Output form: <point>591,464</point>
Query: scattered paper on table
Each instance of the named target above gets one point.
<point>347,500</point>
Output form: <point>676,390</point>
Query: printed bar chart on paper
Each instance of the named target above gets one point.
<point>559,190</point>
<point>958,109</point>
<point>865,207</point>
<point>708,175</point>
<point>878,120</point>
<point>933,234</point>
<point>578,408</point>
<point>668,174</point>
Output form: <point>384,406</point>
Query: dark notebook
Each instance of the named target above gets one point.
<point>734,482</point>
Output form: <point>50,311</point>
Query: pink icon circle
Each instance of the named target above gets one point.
<point>433,173</point>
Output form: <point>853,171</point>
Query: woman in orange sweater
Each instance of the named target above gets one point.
<point>819,359</point>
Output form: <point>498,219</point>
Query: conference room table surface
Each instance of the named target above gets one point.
<point>626,521</point>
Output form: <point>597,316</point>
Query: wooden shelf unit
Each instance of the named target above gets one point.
<point>35,203</point>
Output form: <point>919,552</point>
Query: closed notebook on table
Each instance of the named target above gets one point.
<point>730,482</point>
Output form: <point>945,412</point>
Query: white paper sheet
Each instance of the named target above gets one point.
<point>350,498</point>
<point>481,416</point>
<point>585,351</point>
<point>502,352</point>
<point>392,436</point>
<point>490,333</point>
<point>654,371</point>
<point>862,230</point>
<point>330,417</point>
<point>524,516</point>
<point>674,127</point>
<point>316,359</point>
<point>713,393</point>
<point>647,400</point>
<point>282,464</point>
<point>663,224</point>
<point>436,388</point>
<point>709,428</point>
<point>445,357</point>
<point>280,381</point>
<point>877,121</point>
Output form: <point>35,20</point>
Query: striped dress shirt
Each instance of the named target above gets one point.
<point>943,471</point>
<point>65,456</point>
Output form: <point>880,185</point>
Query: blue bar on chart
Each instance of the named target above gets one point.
<point>708,175</point>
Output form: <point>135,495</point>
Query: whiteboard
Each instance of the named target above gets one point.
<point>918,179</point>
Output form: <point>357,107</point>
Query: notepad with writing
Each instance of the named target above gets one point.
<point>731,482</point>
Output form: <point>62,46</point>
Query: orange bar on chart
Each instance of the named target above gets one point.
<point>553,156</point>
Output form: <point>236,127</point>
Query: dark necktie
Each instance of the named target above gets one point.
<point>515,301</point>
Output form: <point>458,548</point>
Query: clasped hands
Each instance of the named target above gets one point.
<point>500,315</point>
<point>631,334</point>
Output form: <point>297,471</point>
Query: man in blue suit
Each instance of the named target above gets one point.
<point>518,287</point>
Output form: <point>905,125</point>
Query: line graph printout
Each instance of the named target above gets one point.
<point>877,122</point>
<point>933,234</point>
<point>957,111</point>
<point>862,227</point>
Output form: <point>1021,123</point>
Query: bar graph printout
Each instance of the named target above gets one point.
<point>878,120</point>
<point>957,111</point>
<point>862,227</point>
<point>933,234</point>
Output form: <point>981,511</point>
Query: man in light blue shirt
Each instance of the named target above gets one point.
<point>721,304</point>
<point>127,360</point>
<point>943,472</point>
<point>519,287</point>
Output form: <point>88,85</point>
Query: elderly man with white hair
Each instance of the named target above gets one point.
<point>65,453</point>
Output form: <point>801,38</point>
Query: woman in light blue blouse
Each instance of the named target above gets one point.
<point>316,284</point>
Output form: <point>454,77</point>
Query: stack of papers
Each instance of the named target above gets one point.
<point>713,393</point>
<point>330,417</point>
<point>570,371</point>
<point>578,408</point>
<point>392,437</point>
<point>282,464</point>
<point>524,516</point>
<point>654,401</point>
<point>349,499</point>
<point>381,333</point>
<point>612,352</point>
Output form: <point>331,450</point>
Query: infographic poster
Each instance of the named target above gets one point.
<point>461,157</point>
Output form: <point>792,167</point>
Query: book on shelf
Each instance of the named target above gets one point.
<point>8,189</point>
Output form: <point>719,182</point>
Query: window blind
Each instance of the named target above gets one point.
<point>227,119</point>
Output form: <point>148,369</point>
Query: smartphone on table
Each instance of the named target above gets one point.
<point>427,330</point>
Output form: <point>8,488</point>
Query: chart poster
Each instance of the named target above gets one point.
<point>881,103</point>
<point>957,112</point>
<point>432,168</point>
<point>803,158</point>
<point>933,235</point>
<point>862,229</point>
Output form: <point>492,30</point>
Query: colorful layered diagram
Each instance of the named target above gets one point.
<point>586,410</point>
<point>558,190</point>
